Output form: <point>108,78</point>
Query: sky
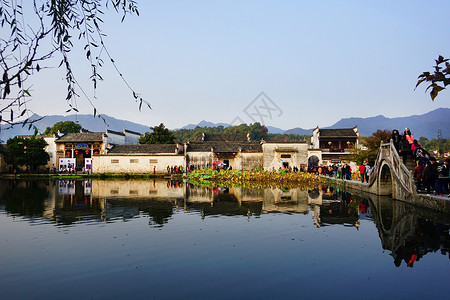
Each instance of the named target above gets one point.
<point>283,63</point>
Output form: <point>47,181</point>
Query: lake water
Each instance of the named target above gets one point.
<point>169,240</point>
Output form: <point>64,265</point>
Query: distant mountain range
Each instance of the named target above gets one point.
<point>426,125</point>
<point>88,122</point>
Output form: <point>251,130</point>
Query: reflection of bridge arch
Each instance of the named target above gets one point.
<point>386,211</point>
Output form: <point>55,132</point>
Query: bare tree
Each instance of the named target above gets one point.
<point>29,38</point>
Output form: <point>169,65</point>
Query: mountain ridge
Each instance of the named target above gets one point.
<point>426,125</point>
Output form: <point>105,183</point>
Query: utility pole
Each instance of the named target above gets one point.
<point>439,142</point>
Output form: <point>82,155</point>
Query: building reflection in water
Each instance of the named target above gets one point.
<point>408,232</point>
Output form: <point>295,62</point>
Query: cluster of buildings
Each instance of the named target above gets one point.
<point>120,152</point>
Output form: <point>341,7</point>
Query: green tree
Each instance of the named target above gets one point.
<point>46,29</point>
<point>159,135</point>
<point>438,79</point>
<point>24,151</point>
<point>372,143</point>
<point>258,131</point>
<point>67,126</point>
<point>440,145</point>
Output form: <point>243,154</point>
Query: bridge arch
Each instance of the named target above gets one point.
<point>385,180</point>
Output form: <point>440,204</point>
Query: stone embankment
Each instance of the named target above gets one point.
<point>433,202</point>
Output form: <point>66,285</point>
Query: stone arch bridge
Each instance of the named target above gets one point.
<point>390,177</point>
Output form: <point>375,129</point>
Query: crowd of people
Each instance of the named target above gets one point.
<point>430,174</point>
<point>433,176</point>
<point>174,170</point>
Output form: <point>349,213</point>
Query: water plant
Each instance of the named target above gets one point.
<point>251,178</point>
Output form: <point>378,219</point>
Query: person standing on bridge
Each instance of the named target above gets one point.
<point>405,145</point>
<point>396,138</point>
<point>408,136</point>
<point>445,172</point>
<point>430,175</point>
<point>418,174</point>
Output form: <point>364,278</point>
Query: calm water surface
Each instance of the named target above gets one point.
<point>167,240</point>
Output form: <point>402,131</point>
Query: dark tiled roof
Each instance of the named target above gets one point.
<point>81,137</point>
<point>145,148</point>
<point>342,132</point>
<point>285,142</point>
<point>115,132</point>
<point>220,137</point>
<point>225,146</point>
<point>132,132</point>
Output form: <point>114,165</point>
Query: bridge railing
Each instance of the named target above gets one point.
<point>405,176</point>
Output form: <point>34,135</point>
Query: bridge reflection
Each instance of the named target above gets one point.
<point>407,231</point>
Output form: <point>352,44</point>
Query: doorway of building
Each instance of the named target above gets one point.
<point>285,165</point>
<point>313,161</point>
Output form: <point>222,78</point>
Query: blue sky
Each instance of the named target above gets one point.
<point>317,61</point>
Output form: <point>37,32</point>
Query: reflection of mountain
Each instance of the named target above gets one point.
<point>409,232</point>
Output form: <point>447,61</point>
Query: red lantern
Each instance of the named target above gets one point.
<point>87,151</point>
<point>68,152</point>
<point>76,151</point>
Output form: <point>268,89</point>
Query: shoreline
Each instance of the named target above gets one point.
<point>92,176</point>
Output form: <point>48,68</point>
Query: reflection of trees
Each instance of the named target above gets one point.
<point>226,208</point>
<point>409,232</point>
<point>159,211</point>
<point>338,207</point>
<point>26,198</point>
<point>75,208</point>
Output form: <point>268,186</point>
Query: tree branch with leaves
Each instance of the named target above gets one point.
<point>438,79</point>
<point>29,39</point>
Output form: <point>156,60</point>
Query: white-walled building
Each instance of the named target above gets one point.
<point>140,158</point>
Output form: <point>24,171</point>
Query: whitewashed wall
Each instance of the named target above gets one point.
<point>248,161</point>
<point>273,151</point>
<point>51,150</point>
<point>135,163</point>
